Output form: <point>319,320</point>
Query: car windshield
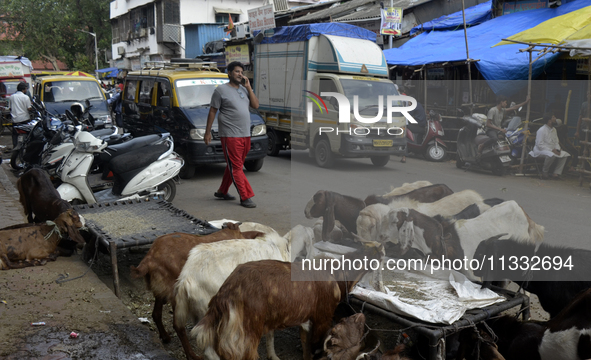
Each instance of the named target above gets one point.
<point>196,92</point>
<point>10,87</point>
<point>368,92</point>
<point>62,91</point>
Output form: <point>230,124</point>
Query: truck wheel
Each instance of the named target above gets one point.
<point>16,162</point>
<point>380,161</point>
<point>169,188</point>
<point>323,154</point>
<point>435,153</point>
<point>272,148</point>
<point>254,165</point>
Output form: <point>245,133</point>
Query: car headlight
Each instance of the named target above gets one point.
<point>259,130</point>
<point>106,119</point>
<point>197,134</point>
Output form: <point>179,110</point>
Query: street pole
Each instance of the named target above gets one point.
<point>95,52</point>
<point>391,36</point>
<point>467,52</point>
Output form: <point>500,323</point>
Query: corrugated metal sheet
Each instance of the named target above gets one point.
<point>373,12</point>
<point>335,10</point>
<point>197,35</point>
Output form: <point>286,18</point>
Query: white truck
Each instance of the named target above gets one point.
<point>294,65</point>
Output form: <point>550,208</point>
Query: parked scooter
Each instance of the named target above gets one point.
<point>495,154</point>
<point>431,143</point>
<point>138,170</point>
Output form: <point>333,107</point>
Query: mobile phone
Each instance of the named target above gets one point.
<point>243,81</point>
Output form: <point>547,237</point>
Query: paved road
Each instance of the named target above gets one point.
<point>283,188</point>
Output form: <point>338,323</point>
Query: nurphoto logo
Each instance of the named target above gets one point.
<point>344,107</point>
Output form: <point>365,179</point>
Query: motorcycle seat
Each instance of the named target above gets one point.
<point>136,143</point>
<point>101,132</point>
<point>132,163</point>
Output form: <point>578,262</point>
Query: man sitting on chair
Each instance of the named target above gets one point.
<point>547,145</point>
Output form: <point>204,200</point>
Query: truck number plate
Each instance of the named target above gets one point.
<point>383,143</point>
<point>505,158</point>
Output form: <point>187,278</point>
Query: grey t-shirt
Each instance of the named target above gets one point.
<point>496,116</point>
<point>234,116</point>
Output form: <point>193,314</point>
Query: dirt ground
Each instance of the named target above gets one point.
<point>287,342</point>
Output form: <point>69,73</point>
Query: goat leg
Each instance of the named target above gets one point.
<point>157,317</point>
<point>182,334</point>
<point>270,342</point>
<point>306,337</point>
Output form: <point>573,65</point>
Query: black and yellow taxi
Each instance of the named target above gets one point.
<point>174,97</point>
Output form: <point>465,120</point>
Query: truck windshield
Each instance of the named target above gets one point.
<point>368,92</point>
<point>62,91</point>
<point>10,88</point>
<point>196,92</point>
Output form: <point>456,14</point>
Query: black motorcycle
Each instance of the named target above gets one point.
<point>495,154</point>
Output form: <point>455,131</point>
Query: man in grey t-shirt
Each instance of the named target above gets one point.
<point>495,118</point>
<point>232,100</point>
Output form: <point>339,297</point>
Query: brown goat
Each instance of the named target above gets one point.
<point>345,339</point>
<point>427,194</point>
<point>38,196</point>
<point>27,243</point>
<point>163,263</point>
<point>260,296</point>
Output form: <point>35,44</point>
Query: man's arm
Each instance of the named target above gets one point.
<point>515,107</point>
<point>210,119</point>
<point>254,101</point>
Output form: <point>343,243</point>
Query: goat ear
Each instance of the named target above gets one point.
<point>328,218</point>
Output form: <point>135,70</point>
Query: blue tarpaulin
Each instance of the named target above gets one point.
<point>498,63</point>
<point>474,15</point>
<point>110,72</point>
<point>305,32</point>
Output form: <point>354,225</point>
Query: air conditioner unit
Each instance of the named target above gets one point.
<point>120,50</point>
<point>242,31</point>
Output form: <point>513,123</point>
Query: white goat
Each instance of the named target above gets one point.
<point>378,222</point>
<point>209,265</point>
<point>302,242</point>
<point>447,206</point>
<point>407,187</point>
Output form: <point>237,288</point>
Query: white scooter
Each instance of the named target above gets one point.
<point>140,168</point>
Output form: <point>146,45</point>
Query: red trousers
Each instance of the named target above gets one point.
<point>235,150</point>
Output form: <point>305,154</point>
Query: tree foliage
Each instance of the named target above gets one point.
<point>47,29</point>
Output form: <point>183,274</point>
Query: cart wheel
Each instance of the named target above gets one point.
<point>169,189</point>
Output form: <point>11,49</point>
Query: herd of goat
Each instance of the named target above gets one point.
<point>235,284</point>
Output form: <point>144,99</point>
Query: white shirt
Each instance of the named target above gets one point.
<point>19,107</point>
<point>546,141</point>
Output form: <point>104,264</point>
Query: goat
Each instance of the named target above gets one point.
<point>566,336</point>
<point>470,211</point>
<point>427,194</point>
<point>407,187</point>
<point>163,263</point>
<point>447,206</point>
<point>208,266</point>
<point>32,243</point>
<point>345,340</point>
<point>506,218</point>
<point>302,242</point>
<point>39,197</point>
<point>260,296</point>
<point>334,206</point>
<point>555,288</point>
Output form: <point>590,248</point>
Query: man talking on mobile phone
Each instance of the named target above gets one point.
<point>233,100</point>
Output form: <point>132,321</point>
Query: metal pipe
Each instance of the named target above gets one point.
<point>467,51</point>
<point>524,145</point>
